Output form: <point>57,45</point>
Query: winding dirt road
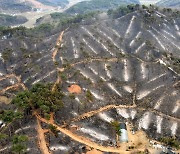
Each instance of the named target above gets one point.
<point>14,86</point>
<point>82,139</point>
<point>91,113</point>
<point>58,45</point>
<point>41,139</point>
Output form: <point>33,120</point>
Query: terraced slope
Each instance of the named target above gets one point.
<point>121,67</point>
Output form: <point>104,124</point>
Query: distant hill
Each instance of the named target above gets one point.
<point>53,18</point>
<point>61,18</point>
<point>16,6</point>
<point>61,3</point>
<point>92,5</point>
<point>7,20</point>
<point>169,3</point>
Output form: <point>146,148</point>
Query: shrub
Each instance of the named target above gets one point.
<point>171,141</point>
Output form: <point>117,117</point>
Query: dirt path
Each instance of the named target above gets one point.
<point>82,139</point>
<point>18,78</point>
<point>138,139</point>
<point>51,117</point>
<point>14,86</point>
<point>7,76</point>
<point>91,113</point>
<point>58,81</point>
<point>41,139</point>
<point>89,60</point>
<point>58,45</point>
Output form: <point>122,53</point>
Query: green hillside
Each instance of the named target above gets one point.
<point>7,20</point>
<point>169,3</point>
<point>54,2</point>
<point>92,5</point>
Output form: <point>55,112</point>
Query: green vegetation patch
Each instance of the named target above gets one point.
<point>9,115</point>
<point>123,10</point>
<point>40,98</point>
<point>171,141</point>
<point>8,20</point>
<point>19,144</point>
<point>87,6</point>
<point>116,127</point>
<point>54,2</point>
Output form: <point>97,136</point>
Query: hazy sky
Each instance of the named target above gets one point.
<point>148,1</point>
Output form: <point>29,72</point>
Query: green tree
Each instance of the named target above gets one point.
<point>40,98</point>
<point>72,96</point>
<point>19,144</point>
<point>115,125</point>
<point>53,129</point>
<point>9,115</point>
<point>171,141</point>
<point>3,136</point>
<point>89,95</point>
<point>7,54</point>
